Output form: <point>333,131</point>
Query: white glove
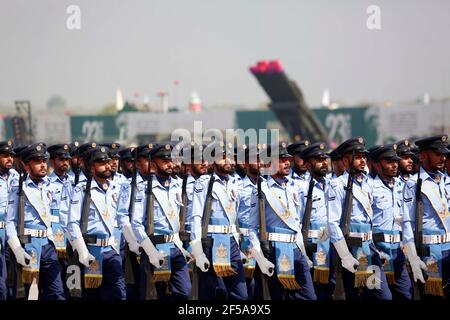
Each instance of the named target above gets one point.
<point>19,252</point>
<point>131,239</point>
<point>348,262</point>
<point>155,257</point>
<point>323,234</point>
<point>383,256</point>
<point>244,258</point>
<point>187,255</point>
<point>417,265</point>
<point>200,258</point>
<point>84,256</point>
<point>265,265</point>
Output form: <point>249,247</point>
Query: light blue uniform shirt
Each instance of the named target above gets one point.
<point>123,205</point>
<point>100,201</point>
<point>246,191</point>
<point>289,195</point>
<point>386,205</point>
<point>5,187</point>
<point>217,211</point>
<point>163,198</point>
<point>42,195</point>
<point>434,198</point>
<point>319,207</point>
<point>190,182</point>
<point>361,206</point>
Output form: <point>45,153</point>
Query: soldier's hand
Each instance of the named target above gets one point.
<point>323,234</point>
<point>202,263</point>
<point>350,263</point>
<point>244,258</point>
<point>86,260</point>
<point>134,247</point>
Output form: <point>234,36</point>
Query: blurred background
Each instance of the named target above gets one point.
<point>134,71</point>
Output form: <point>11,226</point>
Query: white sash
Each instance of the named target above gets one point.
<point>363,198</point>
<point>281,209</point>
<point>438,203</point>
<point>226,202</point>
<point>100,204</point>
<point>41,207</point>
<point>163,197</point>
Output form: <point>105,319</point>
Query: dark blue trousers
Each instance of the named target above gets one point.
<point>3,275</point>
<point>352,293</point>
<point>403,288</point>
<point>129,261</point>
<point>179,285</point>
<point>302,276</point>
<point>113,282</point>
<point>50,282</point>
<point>235,286</point>
<point>446,273</point>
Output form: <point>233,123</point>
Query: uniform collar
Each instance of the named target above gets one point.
<point>219,179</point>
<point>30,182</point>
<point>271,181</point>
<point>54,177</point>
<point>157,184</point>
<point>247,182</point>
<point>425,175</point>
<point>190,179</point>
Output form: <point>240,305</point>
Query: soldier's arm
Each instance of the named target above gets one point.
<point>253,220</point>
<point>64,205</point>
<point>74,217</point>
<point>138,218</point>
<point>12,213</point>
<point>334,197</point>
<point>198,203</point>
<point>123,204</point>
<point>409,211</point>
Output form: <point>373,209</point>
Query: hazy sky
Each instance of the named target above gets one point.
<point>208,45</point>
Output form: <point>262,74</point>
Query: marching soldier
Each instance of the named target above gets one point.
<point>74,162</point>
<point>337,166</point>
<point>91,224</point>
<point>114,149</point>
<point>126,209</point>
<point>252,167</point>
<point>59,159</point>
<point>314,218</point>
<point>126,162</point>
<point>156,224</point>
<point>406,163</point>
<point>349,204</point>
<point>371,161</point>
<point>387,220</point>
<point>29,227</point>
<point>214,237</point>
<point>292,278</point>
<point>299,172</point>
<point>426,220</point>
<point>8,176</point>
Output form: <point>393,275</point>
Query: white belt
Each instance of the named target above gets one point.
<point>363,235</point>
<point>436,238</point>
<point>391,238</point>
<point>244,231</point>
<point>2,224</point>
<point>314,234</point>
<point>104,242</point>
<point>281,237</point>
<point>221,229</point>
<point>35,233</point>
<point>55,219</point>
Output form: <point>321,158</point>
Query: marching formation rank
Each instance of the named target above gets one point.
<point>205,222</point>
